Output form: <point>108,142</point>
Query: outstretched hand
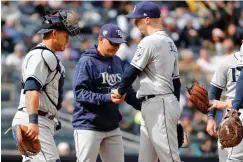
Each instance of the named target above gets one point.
<point>116,94</point>
<point>220,105</point>
<point>211,127</point>
<point>116,97</point>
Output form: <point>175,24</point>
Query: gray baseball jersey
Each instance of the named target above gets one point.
<point>226,75</point>
<point>225,78</point>
<point>157,57</point>
<point>240,61</point>
<point>43,68</point>
<point>42,65</point>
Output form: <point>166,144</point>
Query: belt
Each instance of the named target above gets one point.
<point>144,98</point>
<point>42,113</point>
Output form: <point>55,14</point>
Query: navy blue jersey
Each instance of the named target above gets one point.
<point>94,78</point>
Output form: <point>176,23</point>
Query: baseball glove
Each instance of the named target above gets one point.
<point>180,135</point>
<point>230,131</point>
<point>198,95</point>
<point>25,145</point>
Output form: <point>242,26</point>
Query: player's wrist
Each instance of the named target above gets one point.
<point>33,118</point>
<point>211,117</point>
<point>229,103</point>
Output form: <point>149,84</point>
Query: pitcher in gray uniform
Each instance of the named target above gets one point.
<point>225,78</point>
<point>156,64</point>
<point>42,80</point>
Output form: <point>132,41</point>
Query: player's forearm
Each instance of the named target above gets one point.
<point>214,94</point>
<point>128,78</point>
<point>237,102</point>
<point>132,100</point>
<point>85,96</point>
<point>32,99</point>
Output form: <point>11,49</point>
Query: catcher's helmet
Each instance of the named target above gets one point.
<point>60,20</point>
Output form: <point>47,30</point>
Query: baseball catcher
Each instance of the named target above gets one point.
<point>230,131</point>
<point>41,96</point>
<point>198,95</point>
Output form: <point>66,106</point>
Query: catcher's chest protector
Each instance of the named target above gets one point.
<point>52,79</point>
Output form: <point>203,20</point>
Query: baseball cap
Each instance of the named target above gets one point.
<point>112,33</point>
<point>145,9</point>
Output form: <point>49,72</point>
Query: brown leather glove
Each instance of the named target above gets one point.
<point>25,145</point>
<point>198,95</point>
<point>230,131</point>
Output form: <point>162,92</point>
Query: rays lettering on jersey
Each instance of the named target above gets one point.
<point>110,79</point>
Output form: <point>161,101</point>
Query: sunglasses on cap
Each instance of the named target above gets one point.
<point>114,44</point>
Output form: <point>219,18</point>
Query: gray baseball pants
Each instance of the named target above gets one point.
<point>159,129</point>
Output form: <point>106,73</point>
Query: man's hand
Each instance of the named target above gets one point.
<point>211,127</point>
<point>117,100</point>
<point>116,94</point>
<point>220,105</point>
<point>116,97</point>
<point>33,131</point>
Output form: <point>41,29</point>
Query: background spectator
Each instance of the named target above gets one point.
<point>15,59</point>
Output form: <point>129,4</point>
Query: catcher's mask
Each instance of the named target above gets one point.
<point>60,20</point>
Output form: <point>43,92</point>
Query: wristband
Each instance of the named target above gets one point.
<point>33,118</point>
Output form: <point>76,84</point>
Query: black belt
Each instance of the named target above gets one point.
<point>144,98</point>
<point>42,113</point>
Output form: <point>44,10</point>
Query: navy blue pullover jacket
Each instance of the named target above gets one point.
<point>94,78</point>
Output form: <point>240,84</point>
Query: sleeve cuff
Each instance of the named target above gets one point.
<point>211,117</point>
<point>176,77</point>
<point>216,85</point>
<point>136,66</point>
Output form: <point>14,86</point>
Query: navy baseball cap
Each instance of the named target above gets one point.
<point>112,33</point>
<point>145,9</point>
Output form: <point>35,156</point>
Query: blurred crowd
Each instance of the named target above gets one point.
<point>204,32</point>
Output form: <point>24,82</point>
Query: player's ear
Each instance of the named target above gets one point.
<point>54,34</point>
<point>147,20</point>
<point>100,39</point>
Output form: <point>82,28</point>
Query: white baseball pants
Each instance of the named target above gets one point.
<point>49,152</point>
<point>89,143</point>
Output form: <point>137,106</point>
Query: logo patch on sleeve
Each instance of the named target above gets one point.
<point>139,53</point>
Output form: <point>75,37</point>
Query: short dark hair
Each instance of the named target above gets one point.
<point>47,35</point>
